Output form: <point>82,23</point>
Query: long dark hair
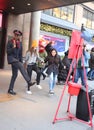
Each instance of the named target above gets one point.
<point>53,49</point>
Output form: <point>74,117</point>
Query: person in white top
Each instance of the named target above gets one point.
<point>31,61</point>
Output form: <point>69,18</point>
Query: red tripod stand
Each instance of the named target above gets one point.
<point>70,116</point>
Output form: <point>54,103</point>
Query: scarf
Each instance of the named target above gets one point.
<point>17,42</point>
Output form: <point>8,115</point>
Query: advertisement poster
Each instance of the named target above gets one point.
<point>57,43</point>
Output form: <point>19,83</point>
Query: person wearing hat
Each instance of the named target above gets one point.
<point>14,57</point>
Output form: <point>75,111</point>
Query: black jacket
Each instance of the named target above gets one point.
<point>91,61</point>
<point>53,64</point>
<point>13,54</point>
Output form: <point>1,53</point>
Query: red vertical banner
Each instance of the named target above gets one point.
<point>0,20</point>
<point>76,44</point>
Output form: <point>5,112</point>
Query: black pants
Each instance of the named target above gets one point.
<point>34,67</point>
<point>15,67</point>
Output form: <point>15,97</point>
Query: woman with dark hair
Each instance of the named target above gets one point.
<point>49,47</point>
<point>53,63</point>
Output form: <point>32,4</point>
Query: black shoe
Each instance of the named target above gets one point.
<point>11,92</point>
<point>44,76</point>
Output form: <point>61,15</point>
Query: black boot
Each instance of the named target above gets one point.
<point>11,92</point>
<point>44,76</point>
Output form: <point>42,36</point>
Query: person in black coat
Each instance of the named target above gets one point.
<point>14,57</point>
<point>63,71</point>
<point>90,74</point>
<point>54,61</point>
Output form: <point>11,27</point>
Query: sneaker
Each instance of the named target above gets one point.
<point>28,92</point>
<point>51,92</point>
<point>58,83</point>
<point>38,86</point>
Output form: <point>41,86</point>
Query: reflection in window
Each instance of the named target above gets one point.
<point>56,12</point>
<point>65,13</point>
<point>88,18</point>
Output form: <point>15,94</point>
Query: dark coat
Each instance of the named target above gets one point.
<point>91,61</point>
<point>66,62</point>
<point>63,73</point>
<point>53,64</point>
<point>13,54</point>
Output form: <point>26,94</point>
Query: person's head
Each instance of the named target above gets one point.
<point>53,52</point>
<point>17,34</point>
<point>92,50</point>
<point>84,47</point>
<point>33,50</point>
<point>66,53</point>
<point>50,42</point>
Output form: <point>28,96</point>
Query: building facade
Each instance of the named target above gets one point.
<point>56,22</point>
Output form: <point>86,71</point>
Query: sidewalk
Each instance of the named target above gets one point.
<point>36,111</point>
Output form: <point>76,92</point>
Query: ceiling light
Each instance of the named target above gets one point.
<point>28,4</point>
<point>12,8</point>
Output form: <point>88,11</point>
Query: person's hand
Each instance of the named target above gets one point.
<point>42,62</point>
<point>64,67</point>
<point>14,44</point>
<point>25,65</point>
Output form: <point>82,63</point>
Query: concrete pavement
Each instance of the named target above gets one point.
<point>36,111</point>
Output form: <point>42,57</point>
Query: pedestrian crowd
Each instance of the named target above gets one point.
<point>46,64</point>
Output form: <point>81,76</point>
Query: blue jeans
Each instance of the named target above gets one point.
<point>80,74</point>
<point>52,80</point>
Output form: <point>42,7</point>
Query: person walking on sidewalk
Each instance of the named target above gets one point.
<point>82,63</point>
<point>14,57</point>
<point>31,59</point>
<point>54,61</point>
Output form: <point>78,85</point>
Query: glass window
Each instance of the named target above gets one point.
<point>48,11</point>
<point>88,18</point>
<point>65,13</point>
<point>70,15</point>
<point>56,12</point>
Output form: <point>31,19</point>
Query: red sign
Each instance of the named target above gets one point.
<point>0,20</point>
<point>76,44</point>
